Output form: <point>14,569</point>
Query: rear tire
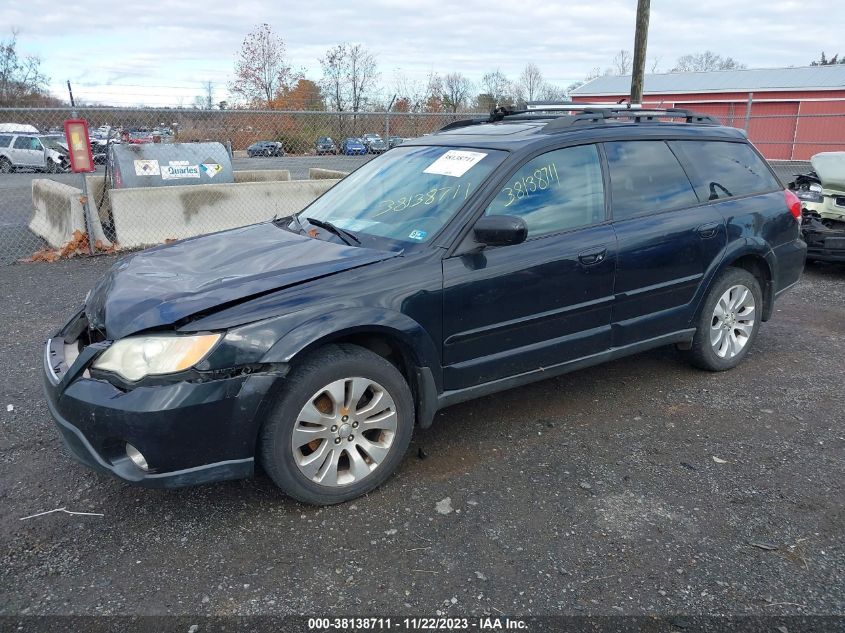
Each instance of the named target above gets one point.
<point>6,166</point>
<point>359,411</point>
<point>728,321</point>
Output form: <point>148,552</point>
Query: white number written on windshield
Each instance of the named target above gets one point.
<point>434,195</point>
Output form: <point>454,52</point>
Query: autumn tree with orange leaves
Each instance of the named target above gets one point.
<point>304,95</point>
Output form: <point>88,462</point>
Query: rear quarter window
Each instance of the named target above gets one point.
<point>721,169</point>
<point>5,140</point>
<point>645,178</point>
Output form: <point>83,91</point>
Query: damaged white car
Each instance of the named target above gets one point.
<point>822,195</point>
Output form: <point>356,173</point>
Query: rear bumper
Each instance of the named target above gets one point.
<point>188,432</point>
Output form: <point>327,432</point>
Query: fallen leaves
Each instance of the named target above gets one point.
<point>78,245</point>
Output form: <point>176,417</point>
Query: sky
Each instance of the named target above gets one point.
<point>160,52</point>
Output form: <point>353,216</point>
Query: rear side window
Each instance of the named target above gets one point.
<point>723,170</point>
<point>23,142</point>
<point>645,177</point>
<point>5,140</point>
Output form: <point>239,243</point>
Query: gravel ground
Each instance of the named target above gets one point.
<point>641,486</point>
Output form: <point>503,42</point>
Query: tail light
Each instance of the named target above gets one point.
<point>793,204</point>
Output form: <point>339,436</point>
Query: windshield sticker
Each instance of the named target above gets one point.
<point>179,169</point>
<point>418,235</point>
<point>454,163</point>
<point>147,168</point>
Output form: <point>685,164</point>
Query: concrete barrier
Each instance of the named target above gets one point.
<point>262,175</point>
<point>152,215</point>
<point>58,213</point>
<point>317,173</point>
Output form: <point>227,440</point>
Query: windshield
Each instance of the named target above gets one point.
<point>406,195</point>
<point>55,144</point>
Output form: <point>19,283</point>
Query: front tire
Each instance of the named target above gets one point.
<point>728,321</point>
<point>340,427</point>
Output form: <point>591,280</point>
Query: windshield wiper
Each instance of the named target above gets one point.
<point>347,236</point>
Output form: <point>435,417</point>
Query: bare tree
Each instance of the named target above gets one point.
<point>498,87</point>
<point>208,88</point>
<point>655,63</point>
<point>530,82</point>
<point>456,91</point>
<point>333,82</point>
<point>21,81</point>
<point>262,69</point>
<point>411,90</point>
<point>550,92</point>
<point>362,75</point>
<point>434,93</point>
<point>621,63</point>
<point>705,62</point>
<point>349,74</point>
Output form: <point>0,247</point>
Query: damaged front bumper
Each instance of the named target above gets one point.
<point>188,431</point>
<point>825,241</point>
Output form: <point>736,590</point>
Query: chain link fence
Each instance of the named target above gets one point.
<point>281,161</point>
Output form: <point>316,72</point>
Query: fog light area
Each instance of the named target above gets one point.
<point>137,458</point>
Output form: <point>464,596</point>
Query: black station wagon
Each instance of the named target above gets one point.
<point>496,252</point>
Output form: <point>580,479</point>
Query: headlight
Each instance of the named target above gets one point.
<point>810,196</point>
<point>139,356</point>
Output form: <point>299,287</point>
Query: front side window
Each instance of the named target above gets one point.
<point>554,192</point>
<point>406,195</point>
<point>645,177</point>
<point>720,169</point>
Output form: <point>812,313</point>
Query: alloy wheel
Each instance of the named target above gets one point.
<point>344,431</point>
<point>733,321</point>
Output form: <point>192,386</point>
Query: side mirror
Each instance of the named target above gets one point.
<point>500,230</point>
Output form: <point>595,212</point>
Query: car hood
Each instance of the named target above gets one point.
<point>168,283</point>
<point>830,168</point>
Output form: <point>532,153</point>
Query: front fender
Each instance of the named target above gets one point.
<point>339,323</point>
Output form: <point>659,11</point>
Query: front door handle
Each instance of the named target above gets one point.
<point>706,231</point>
<point>592,256</point>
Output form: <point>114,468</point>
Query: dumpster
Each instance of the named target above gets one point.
<point>163,165</point>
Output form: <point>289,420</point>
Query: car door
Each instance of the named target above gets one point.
<point>22,153</point>
<point>666,240</point>
<point>513,309</point>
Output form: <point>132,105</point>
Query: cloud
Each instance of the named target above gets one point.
<point>156,51</point>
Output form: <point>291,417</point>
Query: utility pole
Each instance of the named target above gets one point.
<point>70,92</point>
<point>640,44</point>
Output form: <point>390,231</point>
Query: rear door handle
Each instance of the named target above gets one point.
<point>706,231</point>
<point>592,256</point>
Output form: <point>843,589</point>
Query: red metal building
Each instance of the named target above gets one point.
<point>789,113</point>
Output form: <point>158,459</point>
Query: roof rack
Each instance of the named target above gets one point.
<point>579,113</point>
<point>535,106</point>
